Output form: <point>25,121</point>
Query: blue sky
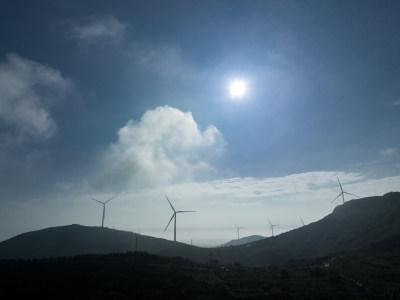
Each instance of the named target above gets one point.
<point>99,98</point>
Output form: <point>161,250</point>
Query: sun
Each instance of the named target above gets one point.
<point>237,88</point>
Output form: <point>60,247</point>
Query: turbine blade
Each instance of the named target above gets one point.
<point>169,221</point>
<point>97,200</point>
<point>170,204</point>
<point>183,211</point>
<point>111,198</point>
<point>351,194</point>
<point>337,197</point>
<point>269,222</point>
<point>339,183</point>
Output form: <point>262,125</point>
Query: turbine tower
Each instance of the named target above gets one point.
<point>238,229</point>
<point>342,192</point>
<point>271,228</point>
<point>302,222</point>
<point>104,207</point>
<point>174,217</point>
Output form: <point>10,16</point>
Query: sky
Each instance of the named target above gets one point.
<point>131,98</point>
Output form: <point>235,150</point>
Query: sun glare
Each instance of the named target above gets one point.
<point>237,88</point>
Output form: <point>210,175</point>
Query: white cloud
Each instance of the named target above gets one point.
<point>164,147</point>
<point>301,187</point>
<point>389,152</point>
<point>396,103</point>
<point>94,30</point>
<point>27,90</point>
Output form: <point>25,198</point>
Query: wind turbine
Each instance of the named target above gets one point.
<point>238,229</point>
<point>271,228</point>
<point>342,192</point>
<point>174,217</point>
<point>104,207</point>
<point>302,222</point>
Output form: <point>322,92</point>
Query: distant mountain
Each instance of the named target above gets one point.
<point>75,239</point>
<point>244,240</point>
<point>351,226</point>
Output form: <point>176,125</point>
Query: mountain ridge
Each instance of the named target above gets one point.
<point>243,240</point>
<point>352,225</point>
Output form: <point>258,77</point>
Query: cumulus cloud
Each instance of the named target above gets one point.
<point>165,146</point>
<point>27,90</point>
<point>93,30</point>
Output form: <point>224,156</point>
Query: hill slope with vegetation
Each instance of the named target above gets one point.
<point>75,239</point>
<point>243,240</point>
<point>352,225</point>
<point>369,273</point>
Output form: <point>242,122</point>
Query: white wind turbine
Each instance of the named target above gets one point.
<point>238,230</point>
<point>342,192</point>
<point>174,217</point>
<point>104,207</point>
<point>302,222</point>
<point>271,228</point>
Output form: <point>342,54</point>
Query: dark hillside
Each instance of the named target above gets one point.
<point>244,240</point>
<point>355,224</point>
<point>76,239</point>
<point>369,273</point>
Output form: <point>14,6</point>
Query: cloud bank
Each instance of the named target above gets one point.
<point>303,187</point>
<point>93,30</point>
<point>27,91</point>
<point>164,147</point>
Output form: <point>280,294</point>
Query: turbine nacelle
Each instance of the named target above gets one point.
<point>271,228</point>
<point>174,216</point>
<point>104,207</point>
<point>342,192</point>
<point>238,229</point>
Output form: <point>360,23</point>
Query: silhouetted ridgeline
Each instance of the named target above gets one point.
<point>353,225</point>
<point>76,239</point>
<point>243,240</point>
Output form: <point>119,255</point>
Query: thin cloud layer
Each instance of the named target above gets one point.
<point>93,30</point>
<point>27,91</point>
<point>165,146</point>
<point>301,187</point>
<point>389,152</point>
<point>166,60</point>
